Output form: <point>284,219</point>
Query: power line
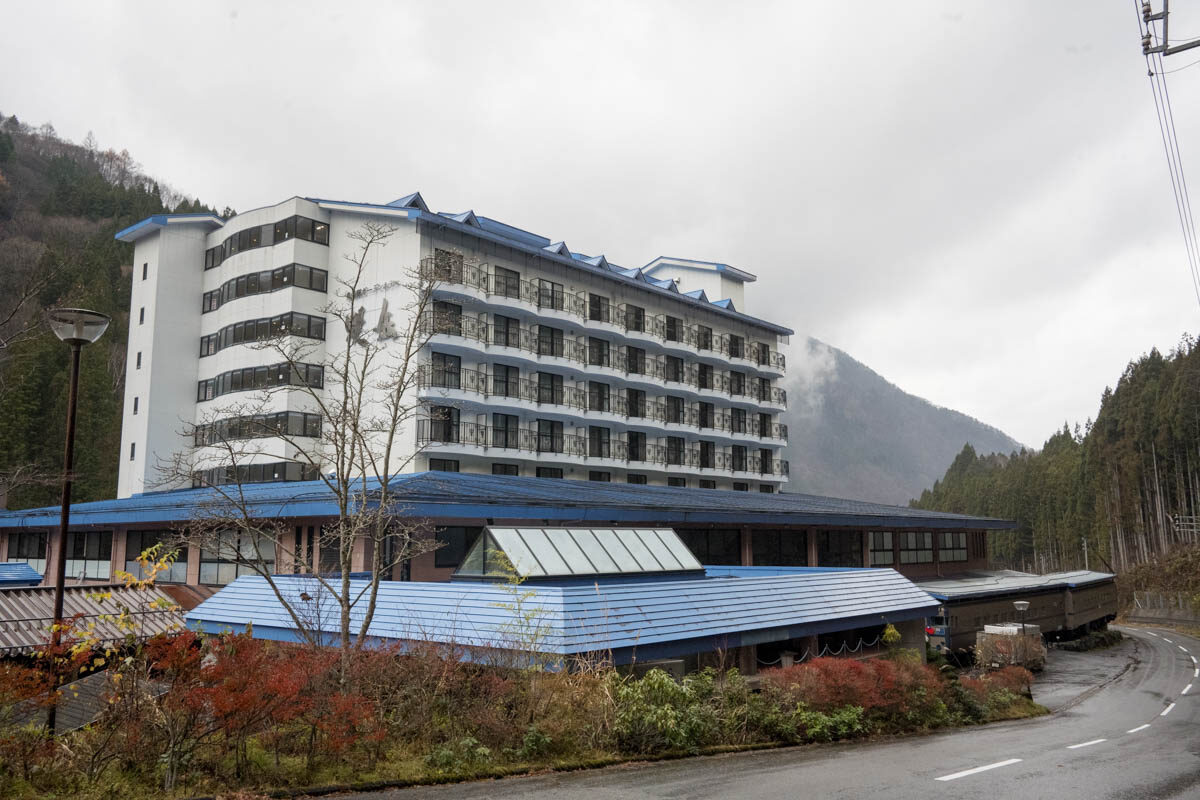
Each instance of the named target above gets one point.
<point>1165,116</point>
<point>1180,69</point>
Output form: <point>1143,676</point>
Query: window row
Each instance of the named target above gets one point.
<point>257,426</point>
<point>443,426</point>
<point>255,473</point>
<point>916,547</point>
<point>543,293</point>
<point>88,556</point>
<point>292,323</point>
<point>265,282</point>
<point>503,468</point>
<point>251,378</point>
<point>310,230</point>
<point>547,388</point>
<point>545,340</point>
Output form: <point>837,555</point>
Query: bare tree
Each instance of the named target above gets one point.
<point>363,404</point>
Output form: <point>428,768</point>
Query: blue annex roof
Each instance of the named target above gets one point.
<point>631,619</point>
<point>441,495</point>
<point>18,573</point>
<point>985,583</point>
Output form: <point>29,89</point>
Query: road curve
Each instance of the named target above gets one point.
<point>1136,737</point>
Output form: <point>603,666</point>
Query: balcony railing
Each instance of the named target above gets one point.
<point>542,294</point>
<point>530,440</point>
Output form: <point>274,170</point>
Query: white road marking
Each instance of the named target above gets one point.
<point>1152,633</point>
<point>967,772</point>
<point>1181,647</point>
<point>1186,689</point>
<point>1196,672</point>
<point>1193,659</point>
<point>1167,710</point>
<point>1138,728</point>
<point>1086,744</point>
<point>1168,641</point>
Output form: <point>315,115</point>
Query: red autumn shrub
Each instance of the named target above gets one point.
<point>1015,679</point>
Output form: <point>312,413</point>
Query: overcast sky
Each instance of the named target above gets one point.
<point>969,197</point>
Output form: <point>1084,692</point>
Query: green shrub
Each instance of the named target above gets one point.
<point>819,726</point>
<point>656,713</point>
<point>467,755</point>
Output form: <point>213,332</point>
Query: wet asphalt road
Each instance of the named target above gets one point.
<point>1136,736</point>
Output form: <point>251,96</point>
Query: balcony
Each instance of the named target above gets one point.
<point>545,295</point>
<point>691,458</point>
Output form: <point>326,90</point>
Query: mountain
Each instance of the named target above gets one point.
<point>853,434</point>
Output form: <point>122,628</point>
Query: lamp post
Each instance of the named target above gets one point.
<point>77,327</point>
<point>1021,606</point>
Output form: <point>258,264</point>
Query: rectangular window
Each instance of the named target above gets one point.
<point>764,426</point>
<point>550,388</point>
<point>708,455</point>
<point>443,424</point>
<point>766,488</point>
<point>673,409</point>
<point>639,480</point>
<point>28,547</point>
<point>764,390</point>
<point>739,486</point>
<point>505,430</point>
<point>635,360</point>
<point>139,358</point>
<point>916,547</point>
<point>737,420</point>
<point>233,554</point>
<point>780,548</point>
<point>707,483</point>
<point>550,341</point>
<point>952,546</point>
<point>132,450</point>
<point>447,371</point>
<point>304,228</point>
<point>763,352</point>
<point>597,352</point>
<point>505,469</point>
<point>550,294</point>
<point>549,436</point>
<point>550,472</point>
<point>672,329</point>
<point>737,458</point>
<point>89,555</point>
<point>882,550</point>
<point>673,369</point>
<point>443,465</point>
<point>721,547</point>
<point>704,376</point>
<point>506,331</point>
<point>675,446</point>
<point>678,483</point>
<point>599,442</point>
<point>598,308</point>
<point>737,346</point>
<point>737,383</point>
<point>320,233</point>
<point>602,477</point>
<point>839,549</point>
<point>145,270</point>
<point>135,405</point>
<point>138,542</point>
<point>506,282</point>
<point>447,318</point>
<point>635,318</point>
<point>598,396</point>
<point>703,337</point>
<point>766,464</point>
<point>635,403</point>
<point>707,413</point>
<point>454,543</point>
<point>636,446</point>
<point>505,381</point>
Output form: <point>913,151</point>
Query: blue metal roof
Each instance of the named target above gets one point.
<point>18,573</point>
<point>642,619</point>
<point>149,224</point>
<point>440,495</point>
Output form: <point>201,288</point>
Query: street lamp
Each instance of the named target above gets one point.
<point>77,327</point>
<point>1021,606</point>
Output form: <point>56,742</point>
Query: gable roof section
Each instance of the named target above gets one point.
<point>690,263</point>
<point>413,200</point>
<point>505,497</point>
<point>646,619</point>
<point>157,222</point>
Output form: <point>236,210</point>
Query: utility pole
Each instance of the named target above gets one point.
<point>1149,16</point>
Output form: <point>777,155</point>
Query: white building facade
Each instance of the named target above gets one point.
<point>536,361</point>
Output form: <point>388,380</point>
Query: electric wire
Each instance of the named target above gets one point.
<point>1165,116</point>
<point>1180,69</point>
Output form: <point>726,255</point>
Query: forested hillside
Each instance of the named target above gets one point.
<point>1127,484</point>
<point>854,434</point>
<point>60,205</point>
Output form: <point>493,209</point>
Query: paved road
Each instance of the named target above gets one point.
<point>1136,737</point>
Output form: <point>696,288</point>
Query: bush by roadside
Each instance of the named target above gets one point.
<point>1095,640</point>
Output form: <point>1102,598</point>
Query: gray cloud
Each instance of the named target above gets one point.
<point>969,197</point>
